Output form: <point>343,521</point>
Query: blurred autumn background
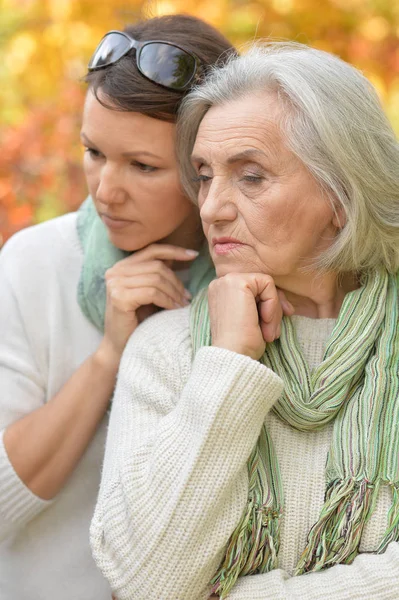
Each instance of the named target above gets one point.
<point>45,46</point>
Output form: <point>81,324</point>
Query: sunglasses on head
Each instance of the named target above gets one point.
<point>163,63</point>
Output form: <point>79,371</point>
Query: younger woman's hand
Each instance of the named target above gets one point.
<point>245,312</point>
<point>138,286</point>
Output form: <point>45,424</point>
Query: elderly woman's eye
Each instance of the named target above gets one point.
<point>252,178</point>
<point>202,178</point>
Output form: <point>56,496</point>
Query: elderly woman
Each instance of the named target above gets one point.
<point>254,437</point>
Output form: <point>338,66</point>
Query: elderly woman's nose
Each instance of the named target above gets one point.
<point>218,204</point>
<point>110,189</point>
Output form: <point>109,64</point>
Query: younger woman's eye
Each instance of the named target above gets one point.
<point>93,153</point>
<point>143,167</point>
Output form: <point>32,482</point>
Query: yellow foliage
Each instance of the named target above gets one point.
<point>20,53</point>
<point>45,46</point>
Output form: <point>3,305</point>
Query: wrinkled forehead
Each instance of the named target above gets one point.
<point>248,124</point>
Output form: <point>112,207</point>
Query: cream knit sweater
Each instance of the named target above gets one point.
<point>174,480</point>
<point>44,337</point>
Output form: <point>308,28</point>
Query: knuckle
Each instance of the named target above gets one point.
<point>158,278</point>
<point>114,284</point>
<point>152,293</point>
<point>109,273</point>
<point>213,286</point>
<point>270,282</point>
<point>115,294</point>
<point>159,266</point>
<point>110,285</point>
<point>230,277</point>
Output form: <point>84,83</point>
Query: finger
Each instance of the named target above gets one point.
<point>287,307</point>
<point>270,331</point>
<point>162,252</point>
<point>159,278</point>
<point>269,308</point>
<point>128,301</point>
<point>157,267</point>
<point>149,280</point>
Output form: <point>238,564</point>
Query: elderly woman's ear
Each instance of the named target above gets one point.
<point>339,217</point>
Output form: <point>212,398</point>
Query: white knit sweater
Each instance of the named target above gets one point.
<point>174,480</point>
<point>44,337</point>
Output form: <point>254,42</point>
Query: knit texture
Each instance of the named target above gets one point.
<point>44,337</point>
<point>356,385</point>
<point>175,481</point>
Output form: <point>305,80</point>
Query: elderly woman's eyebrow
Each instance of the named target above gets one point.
<point>250,153</point>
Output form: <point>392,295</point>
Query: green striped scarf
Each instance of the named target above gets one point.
<point>357,387</point>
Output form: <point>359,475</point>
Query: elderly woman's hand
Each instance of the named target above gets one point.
<point>245,312</point>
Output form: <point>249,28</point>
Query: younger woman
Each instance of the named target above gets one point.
<point>63,330</point>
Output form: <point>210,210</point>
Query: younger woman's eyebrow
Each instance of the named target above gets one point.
<point>85,139</point>
<point>135,154</point>
<point>140,153</point>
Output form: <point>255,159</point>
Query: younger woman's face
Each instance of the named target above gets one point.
<point>132,176</point>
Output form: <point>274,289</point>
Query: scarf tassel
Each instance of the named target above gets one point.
<point>335,538</point>
<point>392,532</point>
<point>252,548</point>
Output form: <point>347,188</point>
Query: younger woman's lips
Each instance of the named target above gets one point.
<point>115,223</point>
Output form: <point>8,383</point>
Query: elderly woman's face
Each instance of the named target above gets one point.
<point>261,209</point>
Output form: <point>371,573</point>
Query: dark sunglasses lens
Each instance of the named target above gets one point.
<point>167,65</point>
<point>111,48</point>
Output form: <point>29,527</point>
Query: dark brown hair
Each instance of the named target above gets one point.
<point>122,87</point>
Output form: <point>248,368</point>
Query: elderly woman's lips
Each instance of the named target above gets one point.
<point>225,245</point>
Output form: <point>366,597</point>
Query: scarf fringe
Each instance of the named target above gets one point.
<point>252,548</point>
<point>392,532</point>
<point>336,536</point>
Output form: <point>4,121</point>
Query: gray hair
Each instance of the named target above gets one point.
<point>334,123</point>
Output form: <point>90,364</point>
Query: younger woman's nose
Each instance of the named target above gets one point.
<point>110,189</point>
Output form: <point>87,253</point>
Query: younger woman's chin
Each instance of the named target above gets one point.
<point>128,243</point>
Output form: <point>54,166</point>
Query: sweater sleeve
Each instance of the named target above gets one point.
<point>373,576</point>
<point>22,391</point>
<point>174,481</point>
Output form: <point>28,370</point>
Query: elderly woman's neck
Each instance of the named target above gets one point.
<point>320,296</point>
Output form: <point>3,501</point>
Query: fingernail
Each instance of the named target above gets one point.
<point>192,252</point>
<point>187,294</point>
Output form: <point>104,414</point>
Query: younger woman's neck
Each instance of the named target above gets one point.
<point>318,296</point>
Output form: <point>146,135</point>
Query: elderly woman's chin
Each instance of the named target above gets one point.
<point>290,260</point>
<point>233,261</point>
